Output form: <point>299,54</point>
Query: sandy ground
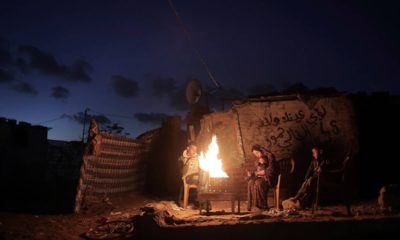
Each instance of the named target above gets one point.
<point>160,219</point>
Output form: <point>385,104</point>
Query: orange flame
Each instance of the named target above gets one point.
<point>210,162</point>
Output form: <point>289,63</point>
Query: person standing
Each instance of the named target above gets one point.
<point>310,187</point>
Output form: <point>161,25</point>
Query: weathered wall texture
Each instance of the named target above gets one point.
<point>289,127</point>
<point>224,126</point>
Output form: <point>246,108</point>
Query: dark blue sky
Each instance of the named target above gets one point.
<point>130,60</point>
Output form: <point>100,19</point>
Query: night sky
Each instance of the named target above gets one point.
<point>129,61</point>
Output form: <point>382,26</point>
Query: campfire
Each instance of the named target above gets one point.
<point>213,178</point>
<point>210,162</point>
<point>215,184</point>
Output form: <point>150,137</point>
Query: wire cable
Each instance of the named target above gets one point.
<point>51,120</point>
<point>186,31</point>
<point>112,115</point>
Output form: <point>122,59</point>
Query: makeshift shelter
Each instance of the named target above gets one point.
<point>289,126</point>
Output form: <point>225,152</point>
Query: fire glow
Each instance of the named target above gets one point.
<point>209,161</point>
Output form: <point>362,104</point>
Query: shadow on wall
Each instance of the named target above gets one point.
<point>163,173</point>
<point>302,158</point>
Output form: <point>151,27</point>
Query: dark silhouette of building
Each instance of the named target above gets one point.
<point>36,174</point>
<point>23,151</point>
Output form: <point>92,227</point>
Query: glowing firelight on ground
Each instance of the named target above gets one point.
<point>209,161</point>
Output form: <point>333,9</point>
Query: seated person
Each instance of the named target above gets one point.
<point>190,164</point>
<point>190,168</point>
<point>264,177</point>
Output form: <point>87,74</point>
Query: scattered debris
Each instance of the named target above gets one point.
<point>111,230</point>
<point>143,217</point>
<point>254,216</point>
<point>282,213</point>
<point>112,213</point>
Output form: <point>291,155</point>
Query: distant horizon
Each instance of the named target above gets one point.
<point>79,139</point>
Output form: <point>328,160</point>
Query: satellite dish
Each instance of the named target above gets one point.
<point>193,91</point>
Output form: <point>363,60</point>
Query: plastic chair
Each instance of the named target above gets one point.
<point>286,167</point>
<point>186,189</point>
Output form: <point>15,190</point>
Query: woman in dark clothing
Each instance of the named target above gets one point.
<point>260,180</point>
<point>308,189</point>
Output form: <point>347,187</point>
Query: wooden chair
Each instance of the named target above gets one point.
<point>186,189</point>
<point>286,167</point>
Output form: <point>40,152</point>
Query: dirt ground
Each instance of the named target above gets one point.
<point>68,226</point>
<point>160,219</point>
